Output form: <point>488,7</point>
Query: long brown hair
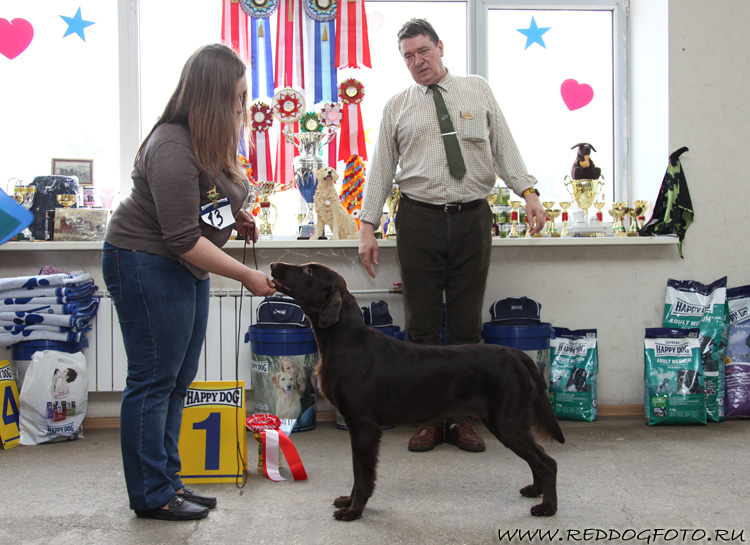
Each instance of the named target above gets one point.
<point>204,101</point>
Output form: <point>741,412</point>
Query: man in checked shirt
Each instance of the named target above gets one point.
<point>444,222</point>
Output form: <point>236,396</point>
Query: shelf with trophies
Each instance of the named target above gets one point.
<point>584,185</point>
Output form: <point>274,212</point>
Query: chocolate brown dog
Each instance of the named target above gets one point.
<point>375,380</point>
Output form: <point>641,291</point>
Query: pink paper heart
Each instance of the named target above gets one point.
<point>576,95</point>
<point>15,37</point>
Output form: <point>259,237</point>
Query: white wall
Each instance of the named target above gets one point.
<point>619,291</point>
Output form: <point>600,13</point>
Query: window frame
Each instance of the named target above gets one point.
<point>476,35</point>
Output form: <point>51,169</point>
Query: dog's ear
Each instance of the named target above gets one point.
<point>275,379</point>
<point>329,314</point>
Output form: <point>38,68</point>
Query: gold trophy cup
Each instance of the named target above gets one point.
<point>633,212</point>
<point>565,205</point>
<point>584,192</point>
<point>67,199</point>
<point>618,211</point>
<point>265,190</point>
<point>392,203</point>
<point>551,216</point>
<point>547,207</point>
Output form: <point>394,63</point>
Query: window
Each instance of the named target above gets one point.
<point>94,95</point>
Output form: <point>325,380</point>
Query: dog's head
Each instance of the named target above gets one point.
<point>326,175</point>
<point>584,150</point>
<point>284,382</point>
<point>318,290</point>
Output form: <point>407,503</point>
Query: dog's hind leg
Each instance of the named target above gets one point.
<point>365,440</point>
<point>543,467</point>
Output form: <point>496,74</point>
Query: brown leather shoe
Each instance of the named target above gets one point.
<point>463,436</point>
<point>426,438</point>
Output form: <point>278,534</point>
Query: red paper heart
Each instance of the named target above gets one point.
<point>15,37</point>
<point>576,95</point>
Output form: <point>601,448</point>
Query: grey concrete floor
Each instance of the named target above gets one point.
<point>616,476</point>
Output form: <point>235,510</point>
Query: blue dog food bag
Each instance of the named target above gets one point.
<point>690,304</point>
<point>574,364</point>
<point>737,397</point>
<point>674,382</point>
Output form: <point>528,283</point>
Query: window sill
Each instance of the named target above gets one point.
<point>292,243</point>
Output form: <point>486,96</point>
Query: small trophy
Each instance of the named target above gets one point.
<point>618,211</point>
<point>633,212</point>
<point>643,205</point>
<point>552,215</point>
<point>392,203</point>
<point>24,195</point>
<point>565,217</point>
<point>266,189</point>
<point>514,219</point>
<point>547,207</point>
<point>599,215</point>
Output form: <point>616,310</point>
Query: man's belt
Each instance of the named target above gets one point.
<point>449,208</point>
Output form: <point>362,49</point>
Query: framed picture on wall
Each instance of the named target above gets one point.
<point>83,168</point>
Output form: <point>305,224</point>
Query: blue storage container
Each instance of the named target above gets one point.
<point>283,361</point>
<point>532,339</point>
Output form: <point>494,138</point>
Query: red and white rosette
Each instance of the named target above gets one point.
<point>273,439</point>
<point>288,106</point>
<point>331,115</point>
<point>351,93</point>
<point>261,119</point>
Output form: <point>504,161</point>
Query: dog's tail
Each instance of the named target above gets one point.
<point>545,421</point>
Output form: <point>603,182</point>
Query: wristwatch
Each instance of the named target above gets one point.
<point>530,190</point>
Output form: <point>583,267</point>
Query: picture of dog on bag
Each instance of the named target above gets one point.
<point>286,390</point>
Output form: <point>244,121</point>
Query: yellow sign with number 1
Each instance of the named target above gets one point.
<point>9,431</point>
<point>213,436</point>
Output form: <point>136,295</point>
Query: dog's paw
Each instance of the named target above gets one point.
<point>343,501</point>
<point>347,514</point>
<point>543,510</point>
<point>531,491</point>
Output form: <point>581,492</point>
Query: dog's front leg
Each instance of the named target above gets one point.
<point>365,439</point>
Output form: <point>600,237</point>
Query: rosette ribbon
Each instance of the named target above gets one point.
<point>330,115</point>
<point>320,27</point>
<point>353,44</point>
<point>261,119</point>
<point>234,27</point>
<point>261,65</point>
<point>352,142</point>
<point>290,62</point>
<point>273,439</point>
<point>288,106</point>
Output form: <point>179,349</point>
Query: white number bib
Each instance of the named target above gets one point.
<point>219,216</point>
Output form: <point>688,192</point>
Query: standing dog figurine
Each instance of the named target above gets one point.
<point>375,380</point>
<point>329,208</point>
<point>583,168</point>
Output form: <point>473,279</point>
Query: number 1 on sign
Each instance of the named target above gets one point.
<point>212,426</point>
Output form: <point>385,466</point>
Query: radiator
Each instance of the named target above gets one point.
<point>107,364</point>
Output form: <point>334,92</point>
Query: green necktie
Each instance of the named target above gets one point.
<point>455,160</point>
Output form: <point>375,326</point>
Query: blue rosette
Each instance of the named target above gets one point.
<point>260,9</point>
<point>321,10</point>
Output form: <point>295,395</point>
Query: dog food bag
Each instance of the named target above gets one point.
<point>673,377</point>
<point>574,364</point>
<point>691,304</point>
<point>54,397</point>
<point>737,396</point>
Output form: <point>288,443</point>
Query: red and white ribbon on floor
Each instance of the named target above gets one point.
<point>352,42</point>
<point>273,440</point>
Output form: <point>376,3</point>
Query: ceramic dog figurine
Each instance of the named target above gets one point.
<point>330,210</point>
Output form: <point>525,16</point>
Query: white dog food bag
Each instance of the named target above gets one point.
<point>54,398</point>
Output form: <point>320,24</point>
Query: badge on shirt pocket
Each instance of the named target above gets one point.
<point>218,214</point>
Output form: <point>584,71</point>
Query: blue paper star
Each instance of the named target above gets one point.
<point>76,24</point>
<point>533,34</point>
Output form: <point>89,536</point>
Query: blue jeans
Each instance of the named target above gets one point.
<point>162,309</point>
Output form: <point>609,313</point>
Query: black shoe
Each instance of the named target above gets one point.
<point>190,495</point>
<point>177,509</point>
